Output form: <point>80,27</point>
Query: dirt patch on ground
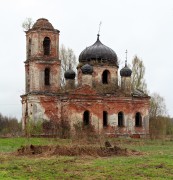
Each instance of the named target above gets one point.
<point>76,150</point>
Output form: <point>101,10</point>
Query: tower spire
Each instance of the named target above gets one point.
<point>99,27</point>
<point>99,30</point>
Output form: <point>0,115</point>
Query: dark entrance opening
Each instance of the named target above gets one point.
<point>120,119</point>
<point>47,76</point>
<point>86,118</point>
<point>46,46</point>
<point>105,119</point>
<point>105,77</point>
<point>138,120</point>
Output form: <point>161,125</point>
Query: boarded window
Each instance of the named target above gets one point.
<point>105,119</point>
<point>47,76</point>
<point>120,119</point>
<point>138,120</point>
<point>105,77</point>
<point>86,118</point>
<point>46,46</point>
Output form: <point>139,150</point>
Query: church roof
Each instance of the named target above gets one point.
<point>42,24</point>
<point>139,93</point>
<point>99,52</point>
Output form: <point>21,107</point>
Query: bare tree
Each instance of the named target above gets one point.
<point>160,123</point>
<point>160,127</point>
<point>157,106</point>
<point>138,72</point>
<point>27,24</point>
<point>159,120</point>
<point>68,61</point>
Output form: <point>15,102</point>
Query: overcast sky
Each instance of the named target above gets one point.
<point>143,27</point>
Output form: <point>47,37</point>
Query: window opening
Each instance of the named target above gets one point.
<point>86,117</point>
<point>138,120</point>
<point>47,76</point>
<point>105,119</point>
<point>120,119</point>
<point>105,77</point>
<point>46,46</point>
<point>29,48</point>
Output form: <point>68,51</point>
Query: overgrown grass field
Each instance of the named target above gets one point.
<point>156,163</point>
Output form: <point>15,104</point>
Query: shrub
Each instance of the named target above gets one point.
<point>85,133</point>
<point>59,129</point>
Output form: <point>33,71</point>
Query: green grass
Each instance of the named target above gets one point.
<point>156,163</point>
<point>12,144</point>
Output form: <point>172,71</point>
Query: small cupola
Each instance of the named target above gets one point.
<point>125,71</point>
<point>70,78</point>
<point>87,69</point>
<point>69,74</point>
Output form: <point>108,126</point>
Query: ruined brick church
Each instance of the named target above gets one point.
<point>92,96</point>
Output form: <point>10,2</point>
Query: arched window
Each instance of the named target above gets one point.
<point>120,119</point>
<point>47,76</point>
<point>138,120</point>
<point>105,77</point>
<point>29,48</point>
<point>46,46</point>
<point>105,119</point>
<point>86,118</point>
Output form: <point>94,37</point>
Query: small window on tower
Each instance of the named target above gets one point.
<point>47,76</point>
<point>105,77</point>
<point>46,46</point>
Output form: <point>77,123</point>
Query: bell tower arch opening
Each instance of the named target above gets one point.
<point>47,76</point>
<point>105,77</point>
<point>46,46</point>
<point>86,118</point>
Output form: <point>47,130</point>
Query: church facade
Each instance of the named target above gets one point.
<point>96,99</point>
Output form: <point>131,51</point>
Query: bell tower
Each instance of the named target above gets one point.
<point>42,65</point>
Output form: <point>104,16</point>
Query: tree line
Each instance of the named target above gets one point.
<point>9,126</point>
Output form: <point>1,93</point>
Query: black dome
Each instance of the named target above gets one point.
<point>69,74</point>
<point>87,69</point>
<point>126,71</point>
<point>99,52</point>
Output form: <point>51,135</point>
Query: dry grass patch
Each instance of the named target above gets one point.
<point>76,150</point>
